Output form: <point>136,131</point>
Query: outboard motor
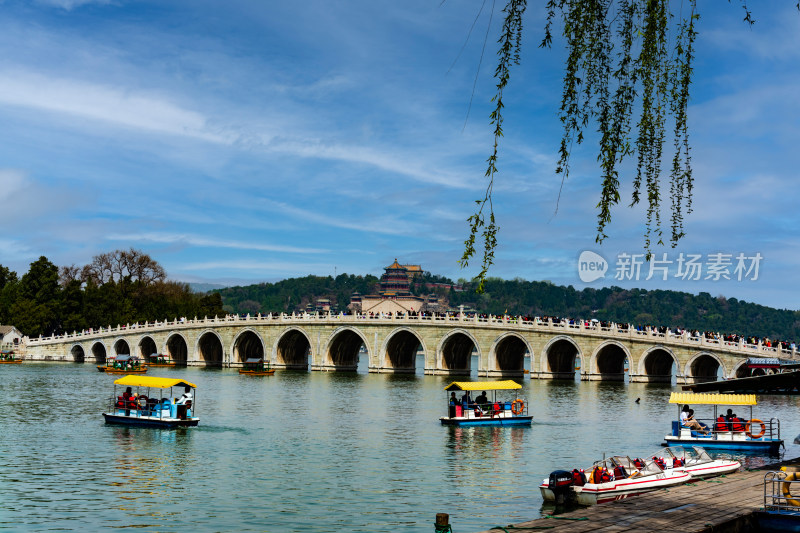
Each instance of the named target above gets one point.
<point>560,482</point>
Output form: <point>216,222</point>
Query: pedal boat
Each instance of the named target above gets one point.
<point>256,367</point>
<point>7,358</point>
<point>155,406</point>
<point>696,461</point>
<point>750,435</point>
<point>502,412</point>
<point>626,479</point>
<point>123,364</point>
<point>160,360</point>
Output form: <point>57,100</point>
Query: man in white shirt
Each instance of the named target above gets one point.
<point>186,397</point>
<point>184,402</point>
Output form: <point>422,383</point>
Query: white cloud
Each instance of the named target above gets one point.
<point>69,5</point>
<point>11,181</point>
<point>190,240</point>
<point>298,268</point>
<point>119,106</point>
<point>413,166</point>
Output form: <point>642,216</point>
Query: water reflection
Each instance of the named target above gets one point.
<point>308,451</point>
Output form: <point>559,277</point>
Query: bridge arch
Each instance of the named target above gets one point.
<point>247,344</point>
<point>121,347</point>
<point>99,352</point>
<point>704,366</point>
<point>77,353</point>
<point>341,350</point>
<point>292,348</point>
<point>177,347</point>
<point>454,352</point>
<point>399,350</point>
<point>608,361</point>
<point>559,357</point>
<point>146,347</point>
<point>209,348</point>
<point>657,364</point>
<point>740,370</point>
<point>507,354</point>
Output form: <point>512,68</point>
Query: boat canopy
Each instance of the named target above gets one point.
<point>712,399</point>
<point>254,360</point>
<point>123,357</point>
<point>483,385</point>
<point>763,362</point>
<point>152,382</point>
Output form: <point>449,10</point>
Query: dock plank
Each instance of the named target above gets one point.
<point>692,508</point>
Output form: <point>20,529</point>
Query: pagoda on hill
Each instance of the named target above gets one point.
<point>394,292</point>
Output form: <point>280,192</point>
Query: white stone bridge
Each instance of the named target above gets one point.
<point>333,342</point>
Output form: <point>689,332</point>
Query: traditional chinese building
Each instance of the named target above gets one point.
<point>394,292</point>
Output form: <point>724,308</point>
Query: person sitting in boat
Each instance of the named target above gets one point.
<point>691,417</point>
<point>688,422</point>
<point>721,425</point>
<point>466,400</point>
<point>453,403</point>
<point>481,399</point>
<point>127,396</point>
<point>184,402</point>
<point>736,423</point>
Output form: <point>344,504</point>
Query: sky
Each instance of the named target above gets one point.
<point>239,142</point>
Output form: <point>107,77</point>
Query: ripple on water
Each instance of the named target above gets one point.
<point>305,452</point>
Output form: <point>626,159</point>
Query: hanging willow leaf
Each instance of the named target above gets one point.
<point>619,62</point>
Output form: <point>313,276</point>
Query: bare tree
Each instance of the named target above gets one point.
<point>68,274</point>
<point>121,264</point>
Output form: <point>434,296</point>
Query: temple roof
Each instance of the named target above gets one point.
<point>395,266</point>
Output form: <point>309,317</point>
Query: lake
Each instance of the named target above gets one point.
<point>308,452</point>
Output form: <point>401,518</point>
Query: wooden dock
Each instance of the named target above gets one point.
<point>724,503</point>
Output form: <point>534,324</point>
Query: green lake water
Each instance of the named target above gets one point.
<point>311,452</point>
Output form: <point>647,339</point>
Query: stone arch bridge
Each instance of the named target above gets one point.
<point>448,345</point>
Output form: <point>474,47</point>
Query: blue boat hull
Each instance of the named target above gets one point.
<point>488,421</point>
<point>768,446</point>
<point>778,521</point>
<point>148,422</point>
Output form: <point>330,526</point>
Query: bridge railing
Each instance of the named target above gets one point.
<point>590,327</point>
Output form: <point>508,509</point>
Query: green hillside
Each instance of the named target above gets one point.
<point>537,298</point>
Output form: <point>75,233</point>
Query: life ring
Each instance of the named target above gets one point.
<point>517,406</point>
<point>754,421</point>
<point>786,488</point>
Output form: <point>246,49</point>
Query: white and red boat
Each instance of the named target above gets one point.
<point>696,461</point>
<point>611,479</point>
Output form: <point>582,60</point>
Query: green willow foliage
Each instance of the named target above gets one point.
<point>629,60</point>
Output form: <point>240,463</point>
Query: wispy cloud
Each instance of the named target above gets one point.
<point>190,240</point>
<point>257,266</point>
<point>72,4</point>
<point>104,103</point>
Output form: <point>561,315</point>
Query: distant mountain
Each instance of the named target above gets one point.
<point>205,287</point>
<point>537,298</point>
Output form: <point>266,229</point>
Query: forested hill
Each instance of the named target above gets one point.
<point>536,298</point>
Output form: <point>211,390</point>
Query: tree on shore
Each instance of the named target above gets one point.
<point>118,287</point>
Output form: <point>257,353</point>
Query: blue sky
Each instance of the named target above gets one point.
<point>247,141</point>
